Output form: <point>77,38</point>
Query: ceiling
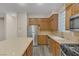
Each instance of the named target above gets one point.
<point>34,10</point>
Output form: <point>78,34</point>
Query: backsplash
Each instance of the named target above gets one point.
<point>68,35</point>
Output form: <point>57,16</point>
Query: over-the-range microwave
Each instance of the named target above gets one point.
<point>74,23</point>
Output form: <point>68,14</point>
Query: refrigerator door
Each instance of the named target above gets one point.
<point>33,32</point>
<point>34,28</point>
<point>34,36</point>
<point>29,31</point>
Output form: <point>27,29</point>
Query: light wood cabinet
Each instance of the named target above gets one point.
<point>46,24</point>
<point>71,9</point>
<point>33,22</point>
<point>57,49</point>
<point>68,15</point>
<point>68,4</point>
<point>54,47</point>
<point>75,8</point>
<point>41,22</point>
<point>28,51</point>
<point>42,40</point>
<point>53,21</point>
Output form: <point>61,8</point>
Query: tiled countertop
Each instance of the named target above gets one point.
<point>14,47</point>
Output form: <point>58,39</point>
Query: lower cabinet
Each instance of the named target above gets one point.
<point>28,51</point>
<point>42,39</point>
<point>54,47</point>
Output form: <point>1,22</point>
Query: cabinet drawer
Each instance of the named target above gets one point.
<point>42,39</point>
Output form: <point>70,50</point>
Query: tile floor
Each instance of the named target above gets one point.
<point>41,50</point>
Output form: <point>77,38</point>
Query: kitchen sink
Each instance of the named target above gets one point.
<point>70,49</point>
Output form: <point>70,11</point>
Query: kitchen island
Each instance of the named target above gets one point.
<point>16,47</point>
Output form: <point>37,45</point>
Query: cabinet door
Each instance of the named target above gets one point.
<point>54,22</point>
<point>42,39</point>
<point>57,49</point>
<point>76,8</point>
<point>68,4</point>
<point>54,47</point>
<point>51,44</point>
<point>52,25</point>
<point>71,10</point>
<point>28,51</point>
<point>68,14</point>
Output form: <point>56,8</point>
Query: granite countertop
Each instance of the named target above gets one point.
<point>14,47</point>
<point>62,40</point>
<point>58,39</point>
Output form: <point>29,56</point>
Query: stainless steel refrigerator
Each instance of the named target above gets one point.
<point>33,32</point>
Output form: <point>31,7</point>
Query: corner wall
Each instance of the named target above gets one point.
<point>22,25</point>
<point>11,25</point>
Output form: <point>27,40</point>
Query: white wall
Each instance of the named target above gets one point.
<point>14,25</point>
<point>22,25</point>
<point>11,25</point>
<point>2,31</point>
<point>61,21</point>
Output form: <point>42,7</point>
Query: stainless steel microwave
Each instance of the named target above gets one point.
<point>74,22</point>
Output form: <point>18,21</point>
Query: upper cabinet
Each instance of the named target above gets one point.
<point>75,9</point>
<point>53,21</point>
<point>68,4</point>
<point>71,9</point>
<point>41,22</point>
<point>46,24</point>
<point>68,14</point>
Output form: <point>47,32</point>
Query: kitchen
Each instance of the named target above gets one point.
<point>55,34</point>
<point>39,29</point>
